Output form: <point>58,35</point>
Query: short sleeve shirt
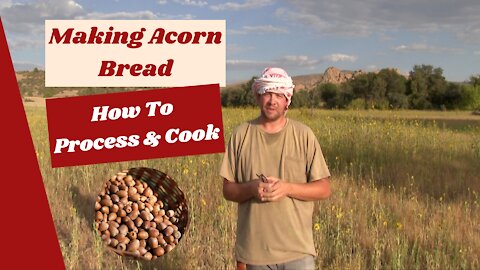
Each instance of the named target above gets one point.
<point>274,232</point>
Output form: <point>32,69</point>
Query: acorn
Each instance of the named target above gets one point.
<point>98,216</point>
<point>132,235</point>
<point>103,226</point>
<point>122,193</point>
<point>97,206</point>
<point>115,199</point>
<point>168,231</point>
<point>147,256</point>
<point>114,242</point>
<point>159,251</point>
<point>153,242</point>
<point>170,239</point>
<point>152,232</point>
<point>170,213</point>
<point>135,207</point>
<point>123,229</point>
<point>113,231</point>
<point>121,176</point>
<point>168,248</point>
<point>177,234</point>
<point>161,241</point>
<point>142,250</point>
<point>134,197</point>
<point>122,239</point>
<point>122,246</point>
<point>152,199</point>
<point>149,207</point>
<point>113,189</point>
<point>140,188</point>
<point>121,213</point>
<point>112,216</point>
<point>138,221</point>
<point>146,216</point>
<point>130,224</point>
<point>133,215</point>
<point>114,208</point>
<point>105,209</point>
<point>131,191</point>
<point>129,181</point>
<point>133,245</point>
<point>142,235</point>
<point>147,192</point>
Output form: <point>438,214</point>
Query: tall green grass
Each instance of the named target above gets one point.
<point>406,196</point>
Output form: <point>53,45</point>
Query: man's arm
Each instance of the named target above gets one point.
<point>241,192</point>
<point>311,191</point>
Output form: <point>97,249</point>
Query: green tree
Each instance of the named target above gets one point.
<point>475,80</point>
<point>239,96</point>
<point>300,99</point>
<point>330,95</point>
<point>363,87</point>
<point>427,87</point>
<point>396,88</point>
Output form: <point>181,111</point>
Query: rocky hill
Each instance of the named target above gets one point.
<point>331,75</point>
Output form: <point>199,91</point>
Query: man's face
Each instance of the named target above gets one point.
<point>272,105</point>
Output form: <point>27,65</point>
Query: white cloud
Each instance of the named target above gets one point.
<point>187,16</point>
<point>162,2</point>
<point>29,17</point>
<point>339,57</point>
<point>292,62</point>
<point>297,61</point>
<point>236,48</point>
<point>24,22</point>
<point>5,4</point>
<point>191,2</point>
<point>247,63</point>
<point>248,4</point>
<point>361,18</point>
<point>259,29</point>
<point>371,68</point>
<point>139,15</point>
<point>425,48</point>
<point>23,42</point>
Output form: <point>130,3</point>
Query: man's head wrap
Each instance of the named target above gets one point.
<point>274,80</point>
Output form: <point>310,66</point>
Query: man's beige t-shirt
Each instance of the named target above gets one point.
<point>274,232</point>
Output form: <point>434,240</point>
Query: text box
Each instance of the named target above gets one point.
<point>135,125</point>
<point>134,53</point>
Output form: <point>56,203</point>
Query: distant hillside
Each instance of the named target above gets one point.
<point>330,75</point>
<point>32,83</point>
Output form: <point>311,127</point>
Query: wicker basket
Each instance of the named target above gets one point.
<point>167,191</point>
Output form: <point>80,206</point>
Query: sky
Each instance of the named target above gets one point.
<point>301,36</point>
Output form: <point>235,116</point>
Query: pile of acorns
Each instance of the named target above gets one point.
<point>132,221</point>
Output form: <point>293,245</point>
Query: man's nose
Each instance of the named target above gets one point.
<point>270,98</point>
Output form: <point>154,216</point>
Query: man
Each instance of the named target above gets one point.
<point>274,169</point>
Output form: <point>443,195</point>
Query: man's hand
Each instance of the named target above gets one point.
<point>240,192</point>
<point>275,189</point>
<point>311,191</point>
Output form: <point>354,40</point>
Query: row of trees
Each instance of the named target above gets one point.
<point>426,88</point>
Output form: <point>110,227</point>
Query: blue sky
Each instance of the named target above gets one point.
<point>302,36</point>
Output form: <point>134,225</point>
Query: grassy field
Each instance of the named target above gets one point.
<point>406,191</point>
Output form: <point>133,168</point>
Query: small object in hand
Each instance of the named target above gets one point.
<point>262,177</point>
